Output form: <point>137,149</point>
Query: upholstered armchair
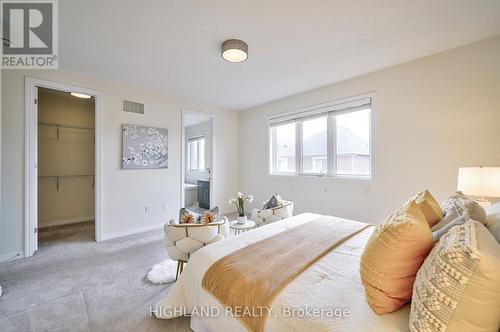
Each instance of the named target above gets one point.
<point>182,240</point>
<point>262,217</point>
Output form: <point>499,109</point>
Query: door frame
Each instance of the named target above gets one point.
<point>31,158</point>
<point>185,111</point>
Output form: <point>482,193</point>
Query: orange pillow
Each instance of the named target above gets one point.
<point>392,257</point>
<point>429,207</point>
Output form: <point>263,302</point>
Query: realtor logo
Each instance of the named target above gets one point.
<point>29,34</point>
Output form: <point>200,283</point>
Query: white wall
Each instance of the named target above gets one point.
<point>430,117</point>
<point>125,192</point>
<point>4,256</point>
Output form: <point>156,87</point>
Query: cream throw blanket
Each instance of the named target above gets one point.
<point>248,279</point>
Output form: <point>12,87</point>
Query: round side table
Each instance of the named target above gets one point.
<point>241,228</point>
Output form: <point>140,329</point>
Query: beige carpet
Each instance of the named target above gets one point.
<point>75,284</point>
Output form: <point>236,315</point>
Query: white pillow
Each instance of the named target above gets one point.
<point>493,220</point>
<point>463,203</point>
<point>456,288</point>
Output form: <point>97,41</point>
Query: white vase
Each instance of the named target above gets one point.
<point>242,220</point>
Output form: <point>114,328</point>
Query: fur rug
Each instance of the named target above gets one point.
<point>163,273</point>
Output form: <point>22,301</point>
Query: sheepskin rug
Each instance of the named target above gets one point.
<point>163,273</point>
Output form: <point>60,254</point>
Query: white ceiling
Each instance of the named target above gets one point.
<point>174,46</point>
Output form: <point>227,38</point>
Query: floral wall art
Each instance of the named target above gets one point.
<point>144,147</point>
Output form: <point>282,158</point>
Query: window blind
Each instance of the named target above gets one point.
<point>324,110</point>
<point>196,138</point>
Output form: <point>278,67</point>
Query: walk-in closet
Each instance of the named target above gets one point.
<point>66,154</point>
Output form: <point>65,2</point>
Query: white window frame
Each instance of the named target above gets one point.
<point>195,139</point>
<point>329,109</point>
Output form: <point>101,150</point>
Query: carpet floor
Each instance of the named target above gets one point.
<point>75,284</point>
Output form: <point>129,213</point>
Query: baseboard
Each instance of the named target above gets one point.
<point>115,235</point>
<point>11,256</point>
<point>66,221</point>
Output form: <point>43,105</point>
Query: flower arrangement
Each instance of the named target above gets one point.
<point>240,201</point>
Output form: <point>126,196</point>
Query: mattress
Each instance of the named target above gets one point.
<point>328,296</point>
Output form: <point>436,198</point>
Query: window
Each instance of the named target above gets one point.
<point>282,164</point>
<point>314,145</point>
<point>284,148</point>
<point>196,153</point>
<point>353,130</point>
<point>329,140</point>
<point>319,165</point>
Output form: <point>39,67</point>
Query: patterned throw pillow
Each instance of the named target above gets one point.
<point>210,216</point>
<point>429,207</point>
<point>273,202</point>
<point>464,204</point>
<point>437,234</point>
<point>452,213</point>
<point>188,217</point>
<point>456,288</point>
<point>392,257</point>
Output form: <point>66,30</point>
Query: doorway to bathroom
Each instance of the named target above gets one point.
<point>197,160</point>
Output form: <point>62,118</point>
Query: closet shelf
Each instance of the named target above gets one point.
<point>64,176</point>
<point>59,126</point>
<point>57,177</point>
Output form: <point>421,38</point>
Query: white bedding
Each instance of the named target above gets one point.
<point>333,282</point>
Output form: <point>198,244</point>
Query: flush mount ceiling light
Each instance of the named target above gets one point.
<point>80,95</point>
<point>234,50</point>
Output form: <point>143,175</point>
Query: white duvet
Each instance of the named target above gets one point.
<point>328,296</point>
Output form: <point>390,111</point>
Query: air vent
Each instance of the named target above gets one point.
<point>133,107</point>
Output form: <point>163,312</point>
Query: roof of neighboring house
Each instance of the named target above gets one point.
<point>314,145</point>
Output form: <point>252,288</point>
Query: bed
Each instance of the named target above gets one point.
<point>331,286</point>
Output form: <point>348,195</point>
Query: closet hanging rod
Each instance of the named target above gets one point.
<point>64,126</point>
<point>58,126</point>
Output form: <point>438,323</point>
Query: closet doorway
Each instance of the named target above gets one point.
<point>65,166</point>
<point>62,165</point>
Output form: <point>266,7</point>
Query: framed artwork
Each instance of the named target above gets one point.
<point>144,147</point>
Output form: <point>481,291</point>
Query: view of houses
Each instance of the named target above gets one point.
<point>353,150</point>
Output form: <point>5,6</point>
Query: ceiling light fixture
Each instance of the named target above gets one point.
<point>234,50</point>
<point>80,95</point>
